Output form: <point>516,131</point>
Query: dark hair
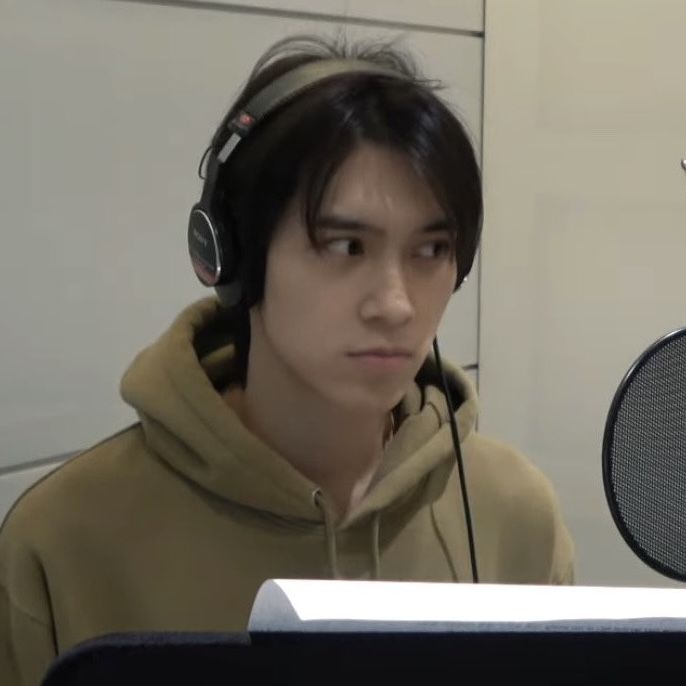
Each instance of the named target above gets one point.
<point>299,147</point>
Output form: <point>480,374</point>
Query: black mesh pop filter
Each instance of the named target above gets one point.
<point>644,456</point>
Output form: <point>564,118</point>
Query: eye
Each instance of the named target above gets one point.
<point>352,247</point>
<point>347,243</point>
<point>438,249</point>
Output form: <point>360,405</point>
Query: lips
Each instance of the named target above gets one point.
<point>382,362</point>
<point>383,352</point>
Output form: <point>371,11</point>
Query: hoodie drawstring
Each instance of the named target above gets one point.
<point>444,543</point>
<point>331,547</point>
<point>376,558</point>
<point>330,529</point>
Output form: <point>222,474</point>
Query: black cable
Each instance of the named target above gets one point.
<point>460,465</point>
<point>202,163</point>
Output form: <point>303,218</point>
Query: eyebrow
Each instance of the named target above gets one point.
<point>337,223</point>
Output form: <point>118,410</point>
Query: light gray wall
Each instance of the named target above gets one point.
<point>106,108</point>
<point>585,234</point>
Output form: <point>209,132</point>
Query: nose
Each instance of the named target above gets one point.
<point>388,297</point>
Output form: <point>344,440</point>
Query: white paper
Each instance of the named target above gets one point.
<point>294,603</point>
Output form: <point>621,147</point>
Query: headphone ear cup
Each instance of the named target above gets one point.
<point>231,294</point>
<point>230,251</point>
<point>213,250</point>
<point>230,287</point>
<point>204,247</point>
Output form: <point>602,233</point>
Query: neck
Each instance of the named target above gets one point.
<point>338,450</point>
<point>336,453</point>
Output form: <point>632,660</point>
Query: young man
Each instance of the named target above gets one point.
<point>297,426</point>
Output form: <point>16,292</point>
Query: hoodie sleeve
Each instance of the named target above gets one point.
<point>549,540</point>
<point>562,568</point>
<point>551,534</point>
<point>518,518</point>
<point>27,646</point>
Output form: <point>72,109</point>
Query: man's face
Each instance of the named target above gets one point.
<point>377,279</point>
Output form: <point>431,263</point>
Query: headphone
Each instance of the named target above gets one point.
<point>213,245</point>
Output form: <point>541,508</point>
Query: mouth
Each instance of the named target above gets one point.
<point>383,362</point>
<point>382,352</point>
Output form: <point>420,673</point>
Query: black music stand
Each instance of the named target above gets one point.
<point>281,648</point>
<point>584,654</point>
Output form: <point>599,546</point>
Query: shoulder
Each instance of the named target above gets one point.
<point>509,472</point>
<point>518,501</point>
<point>79,486</point>
<point>51,516</point>
<point>510,490</point>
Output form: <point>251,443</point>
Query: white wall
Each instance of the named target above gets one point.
<point>105,110</point>
<point>106,107</point>
<point>585,234</point>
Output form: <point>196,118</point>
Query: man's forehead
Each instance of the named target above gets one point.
<point>367,192</point>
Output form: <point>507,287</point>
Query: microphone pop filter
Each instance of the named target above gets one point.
<point>644,456</point>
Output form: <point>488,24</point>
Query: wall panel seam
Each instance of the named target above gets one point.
<point>33,464</point>
<point>314,16</point>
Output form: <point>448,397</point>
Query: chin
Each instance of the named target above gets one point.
<point>370,400</point>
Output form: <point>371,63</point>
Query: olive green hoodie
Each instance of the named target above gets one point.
<point>175,522</point>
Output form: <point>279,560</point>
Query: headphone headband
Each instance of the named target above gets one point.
<point>213,248</point>
<point>288,86</point>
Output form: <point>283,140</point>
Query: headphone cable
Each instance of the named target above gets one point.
<point>460,465</point>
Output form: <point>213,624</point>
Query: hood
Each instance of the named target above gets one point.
<point>174,387</point>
